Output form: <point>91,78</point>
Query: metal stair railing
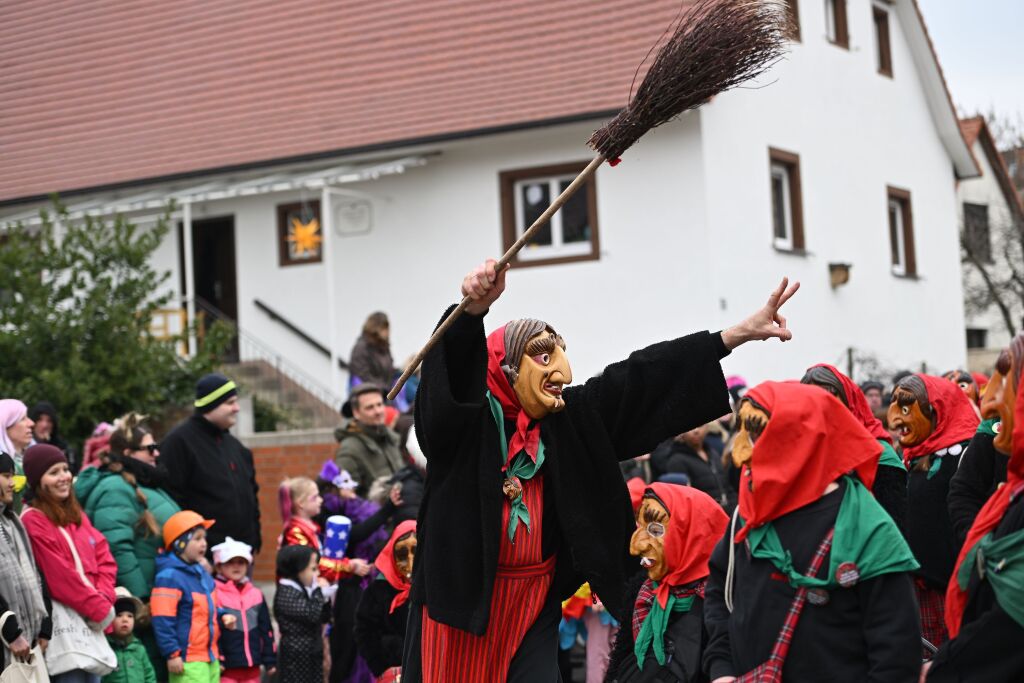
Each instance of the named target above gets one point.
<point>253,348</point>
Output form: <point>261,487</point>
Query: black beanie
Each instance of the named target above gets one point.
<point>212,390</point>
<point>6,464</point>
<point>126,604</point>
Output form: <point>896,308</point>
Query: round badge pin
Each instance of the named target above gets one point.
<point>817,596</point>
<point>847,574</point>
<point>512,488</point>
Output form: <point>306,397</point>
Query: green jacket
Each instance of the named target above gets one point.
<point>114,509</point>
<point>367,454</point>
<point>133,665</point>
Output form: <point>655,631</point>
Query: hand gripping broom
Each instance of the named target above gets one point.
<point>715,46</point>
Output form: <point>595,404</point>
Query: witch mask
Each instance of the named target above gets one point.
<point>542,368</point>
<point>752,420</point>
<point>1001,393</point>
<point>911,414</point>
<point>648,541</point>
<point>963,379</point>
<point>405,554</point>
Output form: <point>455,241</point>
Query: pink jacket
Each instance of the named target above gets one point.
<point>54,558</point>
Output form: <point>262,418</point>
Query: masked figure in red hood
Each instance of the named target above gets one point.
<point>890,487</point>
<point>985,599</point>
<point>383,610</point>
<point>812,579</point>
<point>965,381</point>
<point>935,422</point>
<point>983,465</point>
<point>524,500</point>
<point>676,529</point>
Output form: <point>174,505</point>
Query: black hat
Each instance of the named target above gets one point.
<point>6,463</point>
<point>359,390</point>
<point>212,390</point>
<point>126,604</point>
<point>872,384</point>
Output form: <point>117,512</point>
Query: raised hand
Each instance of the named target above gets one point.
<point>766,323</point>
<point>484,284</point>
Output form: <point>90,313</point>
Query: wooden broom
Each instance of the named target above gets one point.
<point>715,46</point>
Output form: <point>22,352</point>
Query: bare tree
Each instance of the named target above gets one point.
<point>996,251</point>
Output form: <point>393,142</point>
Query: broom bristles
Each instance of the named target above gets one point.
<point>717,45</point>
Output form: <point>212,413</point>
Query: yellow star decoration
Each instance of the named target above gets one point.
<point>305,237</point>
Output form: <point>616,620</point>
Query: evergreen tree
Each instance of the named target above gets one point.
<point>76,301</point>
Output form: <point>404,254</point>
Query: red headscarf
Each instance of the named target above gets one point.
<point>858,404</point>
<point>988,518</point>
<point>385,563</point>
<point>636,487</point>
<point>811,440</point>
<point>525,437</point>
<point>696,524</point>
<point>955,419</point>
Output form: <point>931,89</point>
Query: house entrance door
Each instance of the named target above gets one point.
<point>213,254</point>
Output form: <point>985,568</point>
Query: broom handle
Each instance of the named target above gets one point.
<point>502,262</point>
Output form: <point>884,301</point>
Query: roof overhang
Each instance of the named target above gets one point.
<point>152,202</point>
<point>936,92</point>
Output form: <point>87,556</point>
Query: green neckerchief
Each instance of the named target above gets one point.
<point>522,466</point>
<point>990,427</point>
<point>889,457</point>
<point>865,535</point>
<point>652,631</point>
<point>1001,563</point>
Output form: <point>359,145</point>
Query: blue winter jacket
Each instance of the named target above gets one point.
<point>185,611</point>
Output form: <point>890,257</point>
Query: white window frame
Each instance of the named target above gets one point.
<point>899,268</point>
<point>780,170</point>
<point>830,20</point>
<point>558,248</point>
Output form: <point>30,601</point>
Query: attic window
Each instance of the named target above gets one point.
<point>884,56</point>
<point>835,23</point>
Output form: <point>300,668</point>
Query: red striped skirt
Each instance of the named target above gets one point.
<point>520,589</point>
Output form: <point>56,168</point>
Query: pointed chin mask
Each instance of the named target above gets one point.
<point>965,382</point>
<point>752,420</point>
<point>543,372</point>
<point>648,541</point>
<point>1001,394</point>
<point>405,555</point>
<point>910,413</point>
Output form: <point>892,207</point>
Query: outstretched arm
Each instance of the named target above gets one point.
<point>668,388</point>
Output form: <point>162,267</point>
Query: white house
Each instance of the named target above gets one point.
<point>989,208</point>
<point>422,137</point>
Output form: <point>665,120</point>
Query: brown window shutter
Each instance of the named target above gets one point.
<point>910,255</point>
<point>842,27</point>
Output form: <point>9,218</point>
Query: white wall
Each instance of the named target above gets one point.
<point>987,191</point>
<point>856,132</point>
<point>436,223</point>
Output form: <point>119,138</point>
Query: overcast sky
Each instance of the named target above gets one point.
<point>979,48</point>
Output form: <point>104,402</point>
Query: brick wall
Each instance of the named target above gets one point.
<point>277,457</point>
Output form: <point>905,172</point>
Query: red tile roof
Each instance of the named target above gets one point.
<point>102,93</point>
